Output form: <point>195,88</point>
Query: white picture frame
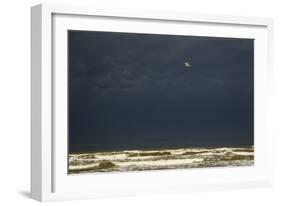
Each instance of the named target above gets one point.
<point>49,180</point>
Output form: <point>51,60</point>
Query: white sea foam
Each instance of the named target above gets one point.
<point>159,159</point>
<point>161,162</point>
<point>110,156</point>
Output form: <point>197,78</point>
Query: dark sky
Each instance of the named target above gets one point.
<point>133,91</point>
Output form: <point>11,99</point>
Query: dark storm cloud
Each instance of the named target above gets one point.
<point>134,91</point>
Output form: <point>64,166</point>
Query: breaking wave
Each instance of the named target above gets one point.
<point>138,160</point>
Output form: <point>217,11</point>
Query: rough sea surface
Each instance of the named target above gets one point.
<point>138,160</point>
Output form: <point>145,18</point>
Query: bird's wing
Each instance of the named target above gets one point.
<point>187,64</point>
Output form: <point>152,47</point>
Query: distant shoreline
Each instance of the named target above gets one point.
<point>159,149</point>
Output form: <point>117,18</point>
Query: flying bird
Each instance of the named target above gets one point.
<point>187,64</point>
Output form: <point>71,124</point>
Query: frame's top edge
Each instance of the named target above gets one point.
<point>152,14</point>
<point>37,6</point>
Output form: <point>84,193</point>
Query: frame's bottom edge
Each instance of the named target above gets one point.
<point>180,189</point>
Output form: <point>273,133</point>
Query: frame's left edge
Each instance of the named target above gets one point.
<point>41,84</point>
<point>36,138</point>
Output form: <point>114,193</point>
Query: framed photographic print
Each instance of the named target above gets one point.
<point>134,102</point>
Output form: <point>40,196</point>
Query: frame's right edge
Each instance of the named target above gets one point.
<point>270,100</point>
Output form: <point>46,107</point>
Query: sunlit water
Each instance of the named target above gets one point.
<point>137,160</point>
